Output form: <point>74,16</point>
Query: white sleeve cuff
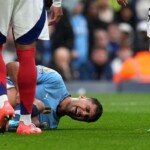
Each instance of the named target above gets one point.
<point>57,3</point>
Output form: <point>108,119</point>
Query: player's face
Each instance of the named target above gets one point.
<point>81,109</point>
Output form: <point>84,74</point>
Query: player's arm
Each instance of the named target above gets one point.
<point>56,12</point>
<point>13,95</point>
<point>122,2</point>
<point>13,68</point>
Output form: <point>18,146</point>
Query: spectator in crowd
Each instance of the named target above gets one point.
<point>98,68</point>
<point>101,38</point>
<point>63,33</point>
<point>61,62</point>
<point>141,35</point>
<point>127,35</point>
<point>105,12</point>
<point>126,15</point>
<point>136,69</point>
<point>122,54</point>
<point>114,35</point>
<point>81,34</point>
<point>44,50</point>
<point>91,12</point>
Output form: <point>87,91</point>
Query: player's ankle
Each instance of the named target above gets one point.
<point>26,119</point>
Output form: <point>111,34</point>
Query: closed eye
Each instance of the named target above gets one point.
<point>88,109</point>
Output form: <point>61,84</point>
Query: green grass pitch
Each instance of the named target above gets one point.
<point>123,126</point>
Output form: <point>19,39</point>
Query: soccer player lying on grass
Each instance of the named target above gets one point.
<point>52,93</point>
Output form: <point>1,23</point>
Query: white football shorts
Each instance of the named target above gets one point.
<point>28,19</point>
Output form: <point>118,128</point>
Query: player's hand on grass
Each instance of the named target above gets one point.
<point>55,15</point>
<point>123,2</point>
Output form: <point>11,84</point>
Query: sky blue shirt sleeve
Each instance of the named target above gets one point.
<point>51,90</point>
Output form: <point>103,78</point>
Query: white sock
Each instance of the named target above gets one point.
<point>26,119</point>
<point>3,98</point>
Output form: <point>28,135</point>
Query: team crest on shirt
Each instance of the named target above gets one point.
<point>46,70</point>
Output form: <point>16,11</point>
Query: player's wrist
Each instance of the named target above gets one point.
<point>57,3</point>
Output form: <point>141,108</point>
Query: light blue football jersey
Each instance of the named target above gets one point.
<point>51,90</point>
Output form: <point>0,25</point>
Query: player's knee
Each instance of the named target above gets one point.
<point>40,106</point>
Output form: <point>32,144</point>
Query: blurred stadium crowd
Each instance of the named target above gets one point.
<point>94,39</point>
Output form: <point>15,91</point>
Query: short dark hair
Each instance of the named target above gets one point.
<point>98,111</point>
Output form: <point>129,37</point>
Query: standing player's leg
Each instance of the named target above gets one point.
<point>26,84</point>
<point>6,111</point>
<point>26,32</point>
